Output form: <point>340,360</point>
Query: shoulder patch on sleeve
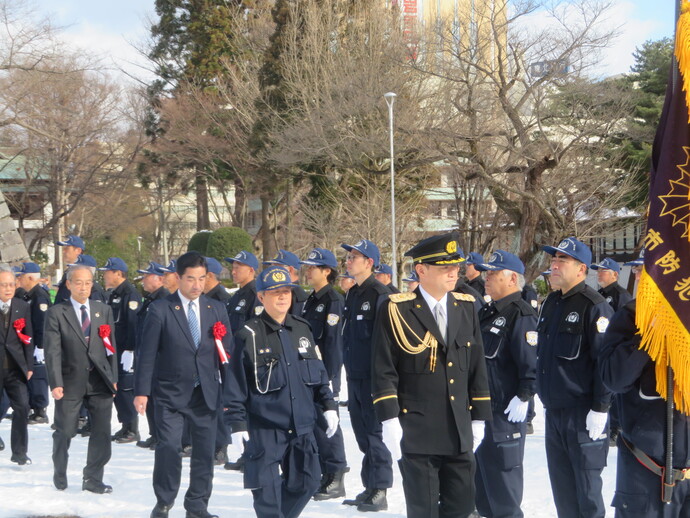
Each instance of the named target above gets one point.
<point>258,310</point>
<point>402,297</point>
<point>332,319</point>
<point>133,304</point>
<point>602,324</point>
<point>462,296</point>
<point>534,303</point>
<point>532,338</point>
<point>43,307</point>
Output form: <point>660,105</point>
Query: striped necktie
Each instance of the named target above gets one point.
<point>85,322</point>
<point>194,325</point>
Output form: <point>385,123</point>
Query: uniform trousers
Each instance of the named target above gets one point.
<point>14,384</point>
<point>38,387</point>
<point>331,451</point>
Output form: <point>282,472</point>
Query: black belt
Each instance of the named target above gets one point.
<point>648,462</point>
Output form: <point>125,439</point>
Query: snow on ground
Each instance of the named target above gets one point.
<point>28,490</point>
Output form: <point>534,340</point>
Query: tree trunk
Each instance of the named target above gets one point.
<point>203,221</point>
<point>267,241</point>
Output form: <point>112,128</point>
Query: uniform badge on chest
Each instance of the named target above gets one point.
<point>320,308</point>
<point>572,317</point>
<point>117,300</point>
<point>366,306</point>
<point>500,322</point>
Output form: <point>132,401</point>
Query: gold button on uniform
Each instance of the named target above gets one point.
<point>452,398</point>
<point>450,364</point>
<point>404,410</point>
<point>451,381</point>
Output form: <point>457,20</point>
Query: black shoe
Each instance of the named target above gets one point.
<point>332,486</point>
<point>359,498</point>
<point>38,416</point>
<point>342,403</point>
<point>221,457</point>
<point>60,481</point>
<point>530,429</point>
<point>161,511</point>
<point>85,430</point>
<point>238,465</point>
<point>186,451</point>
<point>200,514</point>
<point>95,486</point>
<point>149,443</point>
<point>21,459</point>
<point>127,438</point>
<point>2,444</point>
<point>376,501</point>
<point>120,433</point>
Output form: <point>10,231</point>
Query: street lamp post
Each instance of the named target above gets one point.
<point>390,99</point>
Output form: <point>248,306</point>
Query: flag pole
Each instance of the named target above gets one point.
<point>668,483</point>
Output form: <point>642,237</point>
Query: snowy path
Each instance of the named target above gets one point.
<point>28,490</point>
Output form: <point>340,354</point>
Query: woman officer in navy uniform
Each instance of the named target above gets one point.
<point>323,309</point>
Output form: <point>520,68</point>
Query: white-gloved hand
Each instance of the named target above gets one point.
<point>332,421</point>
<point>127,361</point>
<point>478,430</point>
<point>236,448</point>
<point>516,410</point>
<point>392,435</point>
<point>39,355</point>
<point>595,423</point>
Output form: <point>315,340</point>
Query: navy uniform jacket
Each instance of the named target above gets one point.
<point>63,293</point>
<point>170,363</point>
<point>125,301</point>
<point>299,297</point>
<point>160,293</point>
<point>39,301</point>
<point>97,293</point>
<point>530,296</point>
<point>571,330</point>
<point>22,354</point>
<point>219,293</point>
<point>616,295</point>
<point>435,408</point>
<point>243,305</point>
<point>359,314</point>
<point>629,373</point>
<point>277,377</point>
<point>463,287</point>
<point>509,332</point>
<point>324,310</point>
<point>478,284</point>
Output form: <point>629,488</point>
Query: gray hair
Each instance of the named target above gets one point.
<point>76,268</point>
<point>4,267</point>
<point>520,277</point>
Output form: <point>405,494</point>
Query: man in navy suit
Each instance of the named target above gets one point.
<point>180,368</point>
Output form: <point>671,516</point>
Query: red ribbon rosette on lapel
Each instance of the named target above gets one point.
<point>219,331</point>
<point>104,333</point>
<point>19,326</point>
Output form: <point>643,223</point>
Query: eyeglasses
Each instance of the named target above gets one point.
<point>7,285</point>
<point>352,257</point>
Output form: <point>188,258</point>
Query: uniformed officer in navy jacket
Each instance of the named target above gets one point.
<point>243,304</point>
<point>429,383</point>
<point>277,378</point>
<point>384,274</point>
<point>323,310</point>
<point>361,304</point>
<point>509,331</point>
<point>608,271</point>
<point>571,328</point>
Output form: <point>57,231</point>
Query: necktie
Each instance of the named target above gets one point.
<point>441,320</point>
<point>85,321</point>
<point>194,325</point>
<point>5,308</point>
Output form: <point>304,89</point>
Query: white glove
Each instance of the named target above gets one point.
<point>478,430</point>
<point>127,361</point>
<point>516,410</point>
<point>39,355</point>
<point>392,435</point>
<point>236,449</point>
<point>332,421</point>
<point>595,423</point>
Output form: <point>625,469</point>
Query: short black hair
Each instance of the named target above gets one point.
<point>332,274</point>
<point>190,260</point>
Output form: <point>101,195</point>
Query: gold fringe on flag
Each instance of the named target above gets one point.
<point>665,339</point>
<point>682,48</point>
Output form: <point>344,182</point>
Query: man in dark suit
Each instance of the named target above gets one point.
<point>16,362</point>
<point>180,368</point>
<point>430,385</point>
<point>80,354</point>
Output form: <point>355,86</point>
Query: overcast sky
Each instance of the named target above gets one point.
<point>113,28</point>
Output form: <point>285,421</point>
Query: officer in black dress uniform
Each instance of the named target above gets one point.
<point>571,329</point>
<point>291,263</point>
<point>509,331</point>
<point>277,378</point>
<point>608,271</point>
<point>152,282</point>
<point>125,302</point>
<point>324,310</point>
<point>430,384</point>
<point>39,301</point>
<point>359,318</point>
<point>384,274</point>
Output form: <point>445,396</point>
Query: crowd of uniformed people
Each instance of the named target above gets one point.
<point>440,378</point>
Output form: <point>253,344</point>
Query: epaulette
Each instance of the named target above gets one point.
<point>380,288</point>
<point>592,295</point>
<point>463,296</point>
<point>525,307</point>
<point>300,319</point>
<point>402,297</point>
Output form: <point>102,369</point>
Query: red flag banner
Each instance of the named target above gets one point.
<point>663,298</point>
